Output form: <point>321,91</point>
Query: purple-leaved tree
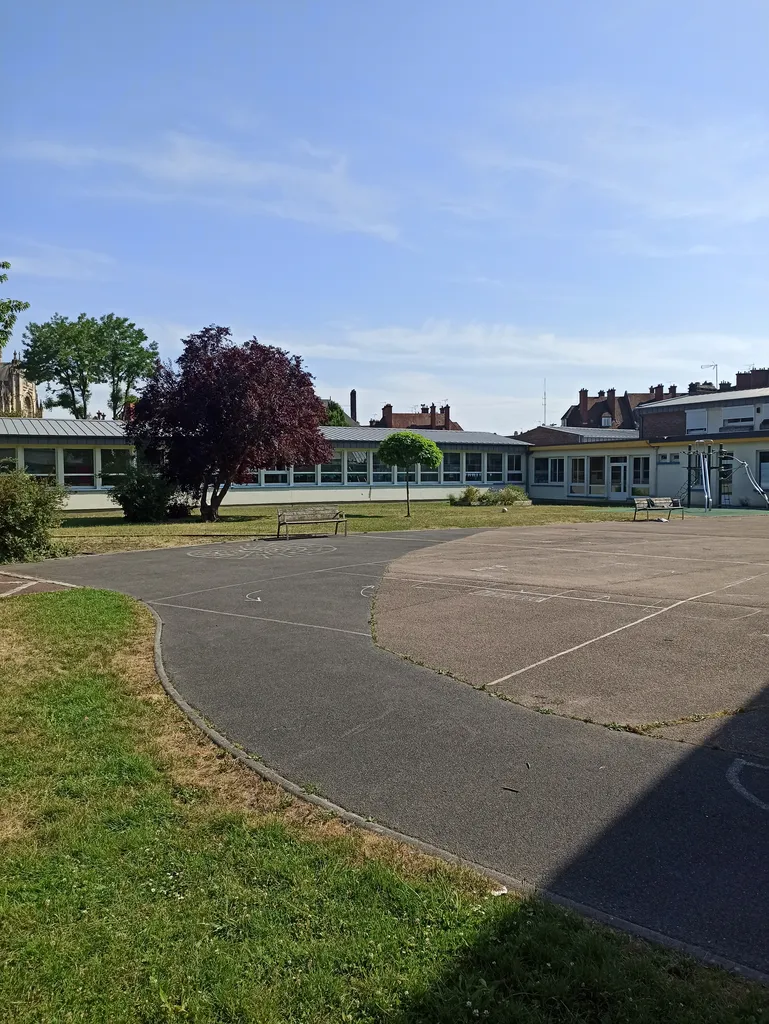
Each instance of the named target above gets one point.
<point>224,411</point>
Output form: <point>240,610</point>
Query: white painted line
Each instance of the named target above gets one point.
<point>370,588</point>
<point>733,778</point>
<point>18,590</point>
<point>543,545</point>
<point>253,596</point>
<point>620,629</point>
<point>259,618</point>
<point>264,579</point>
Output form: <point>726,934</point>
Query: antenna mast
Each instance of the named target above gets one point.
<point>544,403</point>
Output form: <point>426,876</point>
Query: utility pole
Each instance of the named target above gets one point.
<point>544,403</point>
<point>711,366</point>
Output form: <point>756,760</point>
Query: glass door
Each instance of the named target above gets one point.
<point>618,478</point>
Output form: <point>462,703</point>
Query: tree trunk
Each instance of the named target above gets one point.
<point>217,497</point>
<point>408,496</point>
<point>205,509</point>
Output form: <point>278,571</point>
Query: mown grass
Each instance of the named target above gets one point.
<point>147,877</point>
<point>97,532</point>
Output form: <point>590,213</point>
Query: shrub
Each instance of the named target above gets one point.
<point>504,496</point>
<point>144,495</point>
<point>469,496</point>
<point>29,510</point>
<point>180,507</point>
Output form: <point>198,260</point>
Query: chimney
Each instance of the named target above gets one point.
<point>446,418</point>
<point>583,407</point>
<point>611,401</point>
<point>387,415</point>
<point>694,387</point>
<point>659,393</point>
<point>602,394</point>
<point>433,420</point>
<point>759,378</point>
<point>672,391</point>
<point>743,380</point>
<point>354,405</point>
<point>725,385</point>
<point>424,408</point>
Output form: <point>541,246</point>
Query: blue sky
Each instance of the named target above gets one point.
<point>428,201</point>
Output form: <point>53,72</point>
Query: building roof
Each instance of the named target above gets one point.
<point>599,433</point>
<point>22,430</point>
<point>732,397</point>
<point>443,438</point>
<point>418,420</point>
<point>105,432</point>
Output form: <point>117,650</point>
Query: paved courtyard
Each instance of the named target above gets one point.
<point>639,623</point>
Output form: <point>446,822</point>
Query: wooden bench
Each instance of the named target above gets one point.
<point>311,514</point>
<point>648,505</point>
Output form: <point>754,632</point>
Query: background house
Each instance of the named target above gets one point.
<point>427,419</point>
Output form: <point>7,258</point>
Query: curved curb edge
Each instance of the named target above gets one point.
<point>514,884</point>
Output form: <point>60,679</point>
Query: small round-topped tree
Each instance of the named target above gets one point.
<point>407,448</point>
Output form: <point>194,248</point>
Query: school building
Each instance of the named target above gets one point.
<point>87,456</point>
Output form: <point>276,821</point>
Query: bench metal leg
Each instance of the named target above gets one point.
<point>336,528</point>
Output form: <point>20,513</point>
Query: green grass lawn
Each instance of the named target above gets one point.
<point>147,877</point>
<point>108,531</point>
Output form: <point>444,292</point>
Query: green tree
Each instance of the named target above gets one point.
<point>73,355</point>
<point>335,415</point>
<point>69,354</point>
<point>127,358</point>
<point>9,310</point>
<point>407,449</point>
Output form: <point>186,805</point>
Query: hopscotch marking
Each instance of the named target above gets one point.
<point>733,778</point>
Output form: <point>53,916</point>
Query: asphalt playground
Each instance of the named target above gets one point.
<point>578,628</point>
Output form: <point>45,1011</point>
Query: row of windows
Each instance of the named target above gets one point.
<point>588,474</point>
<point>100,467</point>
<point>364,467</point>
<point>80,467</point>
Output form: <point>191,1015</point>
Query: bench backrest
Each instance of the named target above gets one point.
<point>663,502</point>
<point>308,513</point>
<point>642,503</point>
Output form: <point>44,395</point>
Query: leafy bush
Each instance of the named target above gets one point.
<point>469,496</point>
<point>29,510</point>
<point>180,507</point>
<point>144,495</point>
<point>504,496</point>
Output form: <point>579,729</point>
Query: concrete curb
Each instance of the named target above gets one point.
<point>617,923</point>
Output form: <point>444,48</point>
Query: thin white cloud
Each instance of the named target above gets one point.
<point>317,187</point>
<point>708,170</point>
<point>40,260</point>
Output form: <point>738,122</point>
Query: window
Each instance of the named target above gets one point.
<point>548,471</point>
<point>606,420</point>
<point>411,473</point>
<point>429,475</point>
<point>304,474</point>
<point>331,472</point>
<point>738,418</point>
<point>541,471</point>
<point>357,467</point>
<point>276,475</point>
<point>597,470</point>
<point>494,468</point>
<point>577,484</point>
<point>78,467</point>
<point>7,459</point>
<point>114,463</point>
<point>40,462</point>
<point>763,470</point>
<point>514,469</point>
<point>382,474</point>
<point>696,421</point>
<point>451,468</point>
<point>641,471</point>
<point>473,467</point>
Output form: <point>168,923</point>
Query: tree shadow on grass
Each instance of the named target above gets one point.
<point>531,963</point>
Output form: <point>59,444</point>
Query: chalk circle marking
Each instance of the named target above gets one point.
<point>253,596</point>
<point>261,550</point>
<point>733,778</point>
<point>368,591</point>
